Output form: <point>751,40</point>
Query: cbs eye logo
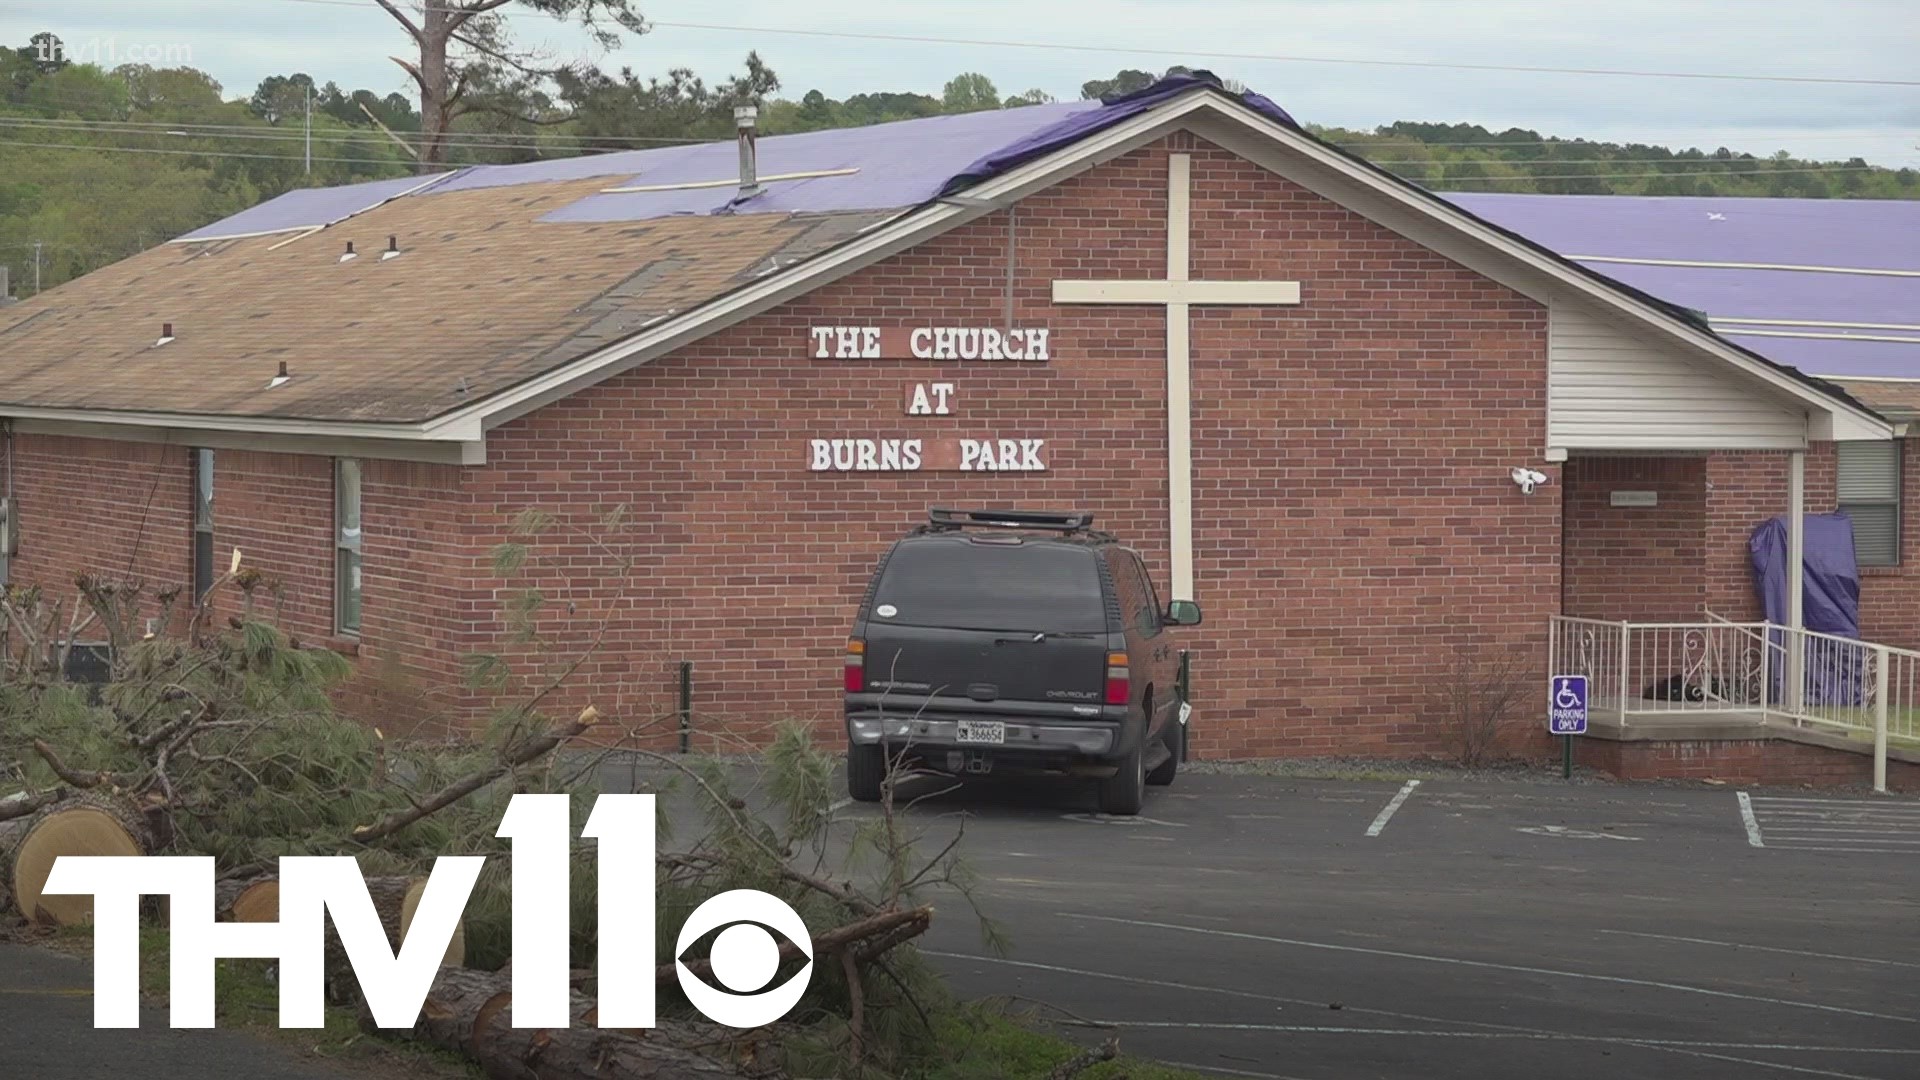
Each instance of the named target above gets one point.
<point>744,958</point>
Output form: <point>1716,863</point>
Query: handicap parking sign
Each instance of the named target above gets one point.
<point>1567,705</point>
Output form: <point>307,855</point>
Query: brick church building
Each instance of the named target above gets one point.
<point>1308,392</point>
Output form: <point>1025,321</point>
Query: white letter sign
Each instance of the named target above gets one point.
<point>930,399</point>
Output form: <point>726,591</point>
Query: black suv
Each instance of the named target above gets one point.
<point>1004,640</point>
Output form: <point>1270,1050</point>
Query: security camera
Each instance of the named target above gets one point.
<point>1526,479</point>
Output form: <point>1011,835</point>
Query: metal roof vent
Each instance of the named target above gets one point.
<point>280,379</point>
<point>166,334</point>
<point>393,249</point>
<point>744,119</point>
<point>349,256</point>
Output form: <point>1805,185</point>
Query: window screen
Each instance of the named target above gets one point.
<point>202,523</point>
<point>991,586</point>
<point>346,518</point>
<point>1869,484</point>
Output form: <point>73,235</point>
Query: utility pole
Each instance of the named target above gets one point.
<point>36,267</point>
<point>309,129</point>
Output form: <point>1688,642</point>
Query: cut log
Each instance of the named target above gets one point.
<point>394,899</point>
<point>470,1013</point>
<point>248,900</point>
<point>87,825</point>
<point>456,946</point>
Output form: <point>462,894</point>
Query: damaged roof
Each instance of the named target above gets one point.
<point>506,276</point>
<point>481,295</point>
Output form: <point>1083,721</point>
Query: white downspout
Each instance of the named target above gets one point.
<point>1796,585</point>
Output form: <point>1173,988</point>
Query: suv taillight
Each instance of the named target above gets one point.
<point>856,681</point>
<point>1119,686</point>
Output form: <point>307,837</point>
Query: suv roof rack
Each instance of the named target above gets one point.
<point>941,519</point>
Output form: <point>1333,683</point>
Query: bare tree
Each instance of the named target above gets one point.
<point>464,46</point>
<point>1481,697</point>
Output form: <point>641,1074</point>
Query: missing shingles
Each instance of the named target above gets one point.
<point>28,321</point>
<point>634,286</point>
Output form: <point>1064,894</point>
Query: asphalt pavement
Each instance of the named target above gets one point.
<point>1275,927</point>
<point>1272,927</point>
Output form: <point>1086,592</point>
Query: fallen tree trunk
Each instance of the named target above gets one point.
<point>869,938</point>
<point>84,825</point>
<point>394,900</point>
<point>470,1013</point>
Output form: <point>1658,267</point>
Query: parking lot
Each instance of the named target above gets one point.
<point>1268,926</point>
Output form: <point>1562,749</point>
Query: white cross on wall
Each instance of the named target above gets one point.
<point>1179,294</point>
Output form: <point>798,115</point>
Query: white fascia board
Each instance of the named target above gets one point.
<point>1856,420</point>
<point>256,424</point>
<point>888,239</point>
<point>329,445</point>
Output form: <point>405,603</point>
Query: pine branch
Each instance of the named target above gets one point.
<point>527,751</point>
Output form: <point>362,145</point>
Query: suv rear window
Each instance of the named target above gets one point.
<point>993,586</point>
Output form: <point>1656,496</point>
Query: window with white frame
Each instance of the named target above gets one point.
<point>1869,489</point>
<point>346,544</point>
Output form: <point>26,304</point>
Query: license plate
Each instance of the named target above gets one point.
<point>980,731</point>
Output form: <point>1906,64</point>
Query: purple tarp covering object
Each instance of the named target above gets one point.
<point>1112,111</point>
<point>305,208</point>
<point>1862,260</point>
<point>1830,601</point>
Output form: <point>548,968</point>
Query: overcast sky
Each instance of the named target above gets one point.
<point>348,41</point>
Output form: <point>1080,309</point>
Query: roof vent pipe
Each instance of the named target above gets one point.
<point>350,252</point>
<point>393,248</point>
<point>744,118</point>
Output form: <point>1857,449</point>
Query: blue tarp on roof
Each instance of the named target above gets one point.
<point>1858,286</point>
<point>1851,309</point>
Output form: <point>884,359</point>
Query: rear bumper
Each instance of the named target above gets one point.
<point>1046,738</point>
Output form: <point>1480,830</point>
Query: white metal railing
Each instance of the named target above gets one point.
<point>1647,672</point>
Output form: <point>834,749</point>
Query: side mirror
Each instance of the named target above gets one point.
<point>1183,613</point>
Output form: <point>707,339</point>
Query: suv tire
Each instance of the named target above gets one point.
<point>1123,793</point>
<point>1163,775</point>
<point>866,771</point>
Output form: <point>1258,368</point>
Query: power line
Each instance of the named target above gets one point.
<point>473,141</point>
<point>926,39</point>
<point>195,153</point>
<point>114,128</point>
<point>641,139</point>
<point>1715,174</point>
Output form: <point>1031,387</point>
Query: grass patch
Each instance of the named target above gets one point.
<point>983,1040</point>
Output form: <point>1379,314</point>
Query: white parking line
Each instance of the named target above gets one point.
<point>1848,851</point>
<point>1746,815</point>
<point>1523,1036</point>
<point>1897,803</point>
<point>1852,826</point>
<point>1393,804</point>
<point>1759,948</point>
<point>1490,965</point>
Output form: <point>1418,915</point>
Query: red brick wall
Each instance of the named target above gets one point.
<point>1776,762</point>
<point>110,508</point>
<point>1353,515</point>
<point>1640,563</point>
<point>91,504</point>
